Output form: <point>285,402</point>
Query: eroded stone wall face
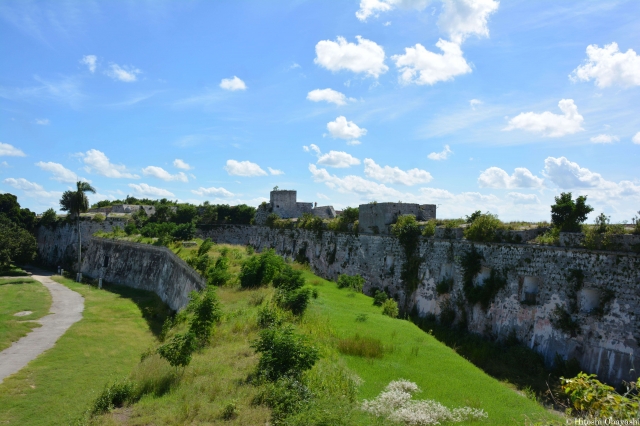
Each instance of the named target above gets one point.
<point>538,279</point>
<point>142,266</point>
<point>376,217</point>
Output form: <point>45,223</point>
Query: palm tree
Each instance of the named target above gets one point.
<point>76,202</point>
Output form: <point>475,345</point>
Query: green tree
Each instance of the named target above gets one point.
<point>17,245</point>
<point>76,202</point>
<point>48,218</point>
<point>24,218</point>
<point>568,214</point>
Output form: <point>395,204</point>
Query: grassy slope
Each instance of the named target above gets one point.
<point>57,387</point>
<point>412,354</point>
<point>17,295</point>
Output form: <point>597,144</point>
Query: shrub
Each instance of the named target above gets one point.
<point>99,218</point>
<point>636,224</point>
<point>269,316</point>
<point>365,347</point>
<point>408,232</point>
<point>200,263</point>
<point>48,219</point>
<point>484,228</point>
<point>567,214</point>
<point>205,247</point>
<point>354,282</point>
<point>288,279</point>
<point>429,229</point>
<point>603,234</point>
<point>230,411</point>
<point>311,222</point>
<point>444,286</point>
<point>283,353</point>
<point>206,311</point>
<point>218,274</point>
<point>17,245</point>
<point>295,301</point>
<point>260,270</point>
<point>113,396</point>
<point>379,298</point>
<point>130,228</point>
<point>475,215</point>
<point>285,396</point>
<point>271,220</point>
<point>390,308</point>
<point>589,397</point>
<point>184,231</point>
<point>178,351</point>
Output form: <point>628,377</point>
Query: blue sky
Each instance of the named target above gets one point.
<point>467,104</point>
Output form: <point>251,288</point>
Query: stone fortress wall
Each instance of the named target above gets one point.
<point>537,280</point>
<point>284,203</point>
<point>376,218</point>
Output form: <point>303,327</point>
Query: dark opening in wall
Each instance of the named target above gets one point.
<point>530,290</point>
<point>105,263</point>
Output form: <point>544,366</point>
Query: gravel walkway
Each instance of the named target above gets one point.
<point>66,309</point>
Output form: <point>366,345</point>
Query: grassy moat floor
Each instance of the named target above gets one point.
<point>120,324</point>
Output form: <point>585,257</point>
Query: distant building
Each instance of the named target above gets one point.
<point>376,217</point>
<point>284,203</point>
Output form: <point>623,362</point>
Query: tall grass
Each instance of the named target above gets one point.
<point>362,346</point>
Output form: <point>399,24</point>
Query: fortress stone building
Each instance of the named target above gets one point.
<point>376,217</point>
<point>284,203</point>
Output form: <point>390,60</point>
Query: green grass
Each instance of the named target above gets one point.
<point>18,295</point>
<point>58,386</point>
<point>414,355</point>
<point>13,271</point>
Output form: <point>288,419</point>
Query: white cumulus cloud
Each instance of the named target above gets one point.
<point>327,95</point>
<point>608,66</point>
<point>212,192</point>
<point>243,168</point>
<point>548,123</point>
<point>275,172</point>
<point>180,164</point>
<point>97,162</point>
<point>636,138</point>
<point>31,189</point>
<point>473,103</point>
<point>389,174</point>
<point>420,66</point>
<point>519,198</point>
<point>60,173</point>
<point>312,147</point>
<point>90,62</point>
<point>42,121</point>
<point>604,139</point>
<point>123,73</point>
<point>442,155</point>
<point>461,18</point>
<point>495,177</point>
<point>375,7</point>
<point>567,174</point>
<point>365,57</point>
<point>9,150</point>
<point>233,84</point>
<point>338,159</point>
<point>343,129</point>
<point>355,185</point>
<point>149,191</point>
<point>161,173</point>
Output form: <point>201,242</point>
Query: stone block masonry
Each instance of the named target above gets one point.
<point>605,300</point>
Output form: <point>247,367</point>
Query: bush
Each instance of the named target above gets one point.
<point>268,316</point>
<point>260,270</point>
<point>283,353</point>
<point>379,298</point>
<point>354,282</point>
<point>288,279</point>
<point>603,234</point>
<point>206,311</point>
<point>484,228</point>
<point>218,274</point>
<point>130,229</point>
<point>285,396</point>
<point>99,218</point>
<point>179,350</point>
<point>184,232</point>
<point>230,411</point>
<point>636,224</point>
<point>113,396</point>
<point>295,301</point>
<point>310,222</point>
<point>48,219</point>
<point>567,214</point>
<point>205,247</point>
<point>17,245</point>
<point>365,347</point>
<point>444,286</point>
<point>591,398</point>
<point>429,229</point>
<point>408,232</point>
<point>390,308</point>
<point>475,215</point>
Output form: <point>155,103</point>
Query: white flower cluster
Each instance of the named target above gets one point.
<point>396,405</point>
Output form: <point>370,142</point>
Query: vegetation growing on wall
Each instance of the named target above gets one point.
<point>567,214</point>
<point>482,293</point>
<point>602,235</point>
<point>408,232</point>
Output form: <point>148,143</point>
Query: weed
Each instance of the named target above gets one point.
<point>390,308</point>
<point>365,347</point>
<point>361,318</point>
<point>230,411</point>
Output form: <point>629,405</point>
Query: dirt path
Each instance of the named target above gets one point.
<point>66,309</point>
